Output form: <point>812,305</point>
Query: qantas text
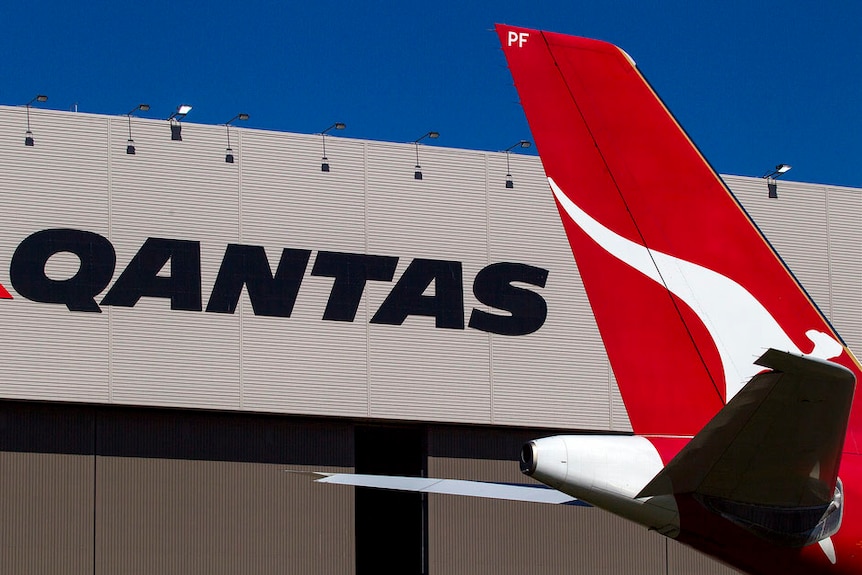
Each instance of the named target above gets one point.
<point>519,310</point>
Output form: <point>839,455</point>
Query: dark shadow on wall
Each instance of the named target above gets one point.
<point>486,442</point>
<point>173,434</point>
<point>126,431</point>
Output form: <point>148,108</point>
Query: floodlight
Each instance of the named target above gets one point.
<point>175,119</point>
<point>241,117</point>
<point>417,172</point>
<point>519,144</point>
<point>779,170</point>
<point>180,113</point>
<point>324,161</point>
<point>130,144</point>
<point>773,175</point>
<point>228,153</point>
<point>28,135</point>
<point>335,126</point>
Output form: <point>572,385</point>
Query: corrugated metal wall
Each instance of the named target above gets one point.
<point>181,516</point>
<point>817,230</point>
<point>276,196</point>
<point>46,513</point>
<point>169,492</point>
<point>90,489</point>
<point>78,175</point>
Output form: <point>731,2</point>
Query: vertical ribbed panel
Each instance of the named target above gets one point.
<point>562,381</point>
<point>795,224</point>
<point>287,201</point>
<point>619,416</point>
<point>176,190</point>
<point>46,513</point>
<point>845,264</point>
<point>417,371</point>
<point>302,364</point>
<point>176,517</point>
<point>61,182</point>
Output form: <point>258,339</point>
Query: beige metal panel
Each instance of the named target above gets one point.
<point>436,377</point>
<point>442,216</point>
<point>619,416</point>
<point>304,367</point>
<point>52,354</point>
<point>46,513</point>
<point>287,201</point>
<point>845,263</point>
<point>179,516</point>
<point>61,182</point>
<point>176,190</point>
<point>418,371</point>
<point>795,224</point>
<point>302,364</point>
<point>558,375</point>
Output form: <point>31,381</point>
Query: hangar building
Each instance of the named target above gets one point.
<point>180,330</point>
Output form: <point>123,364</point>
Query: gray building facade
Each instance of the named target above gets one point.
<point>181,330</point>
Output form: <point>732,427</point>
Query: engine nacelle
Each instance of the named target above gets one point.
<point>607,471</point>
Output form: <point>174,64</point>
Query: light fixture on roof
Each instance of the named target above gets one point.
<point>417,174</point>
<point>175,119</point>
<point>521,144</point>
<point>324,162</point>
<point>773,175</point>
<point>28,135</point>
<point>130,145</point>
<point>228,153</point>
<point>181,112</point>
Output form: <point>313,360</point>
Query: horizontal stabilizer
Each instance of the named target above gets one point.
<point>777,443</point>
<point>530,493</point>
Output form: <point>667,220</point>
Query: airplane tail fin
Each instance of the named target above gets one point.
<point>686,292</point>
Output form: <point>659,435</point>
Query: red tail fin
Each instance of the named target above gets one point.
<point>686,292</point>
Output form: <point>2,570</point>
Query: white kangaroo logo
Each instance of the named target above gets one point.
<point>739,324</point>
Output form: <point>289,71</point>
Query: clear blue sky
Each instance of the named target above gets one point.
<point>754,83</point>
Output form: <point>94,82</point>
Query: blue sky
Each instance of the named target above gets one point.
<point>754,83</point>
